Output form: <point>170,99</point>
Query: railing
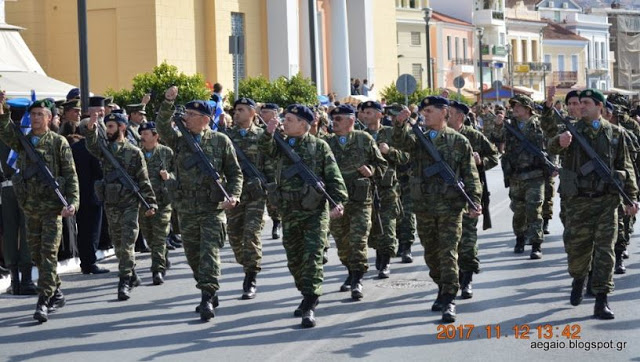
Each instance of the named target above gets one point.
<point>565,77</point>
<point>497,15</point>
<point>462,61</point>
<point>599,64</point>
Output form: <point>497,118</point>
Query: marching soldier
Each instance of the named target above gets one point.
<point>245,221</point>
<point>137,116</point>
<point>524,174</point>
<point>384,241</point>
<point>304,209</point>
<point>591,202</point>
<point>42,208</point>
<point>485,156</point>
<point>269,111</point>
<point>121,203</point>
<point>439,206</point>
<point>159,160</point>
<point>359,160</point>
<point>199,200</point>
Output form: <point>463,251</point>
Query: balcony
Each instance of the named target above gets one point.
<point>488,17</point>
<point>598,64</point>
<point>565,79</point>
<point>460,61</point>
<point>463,66</point>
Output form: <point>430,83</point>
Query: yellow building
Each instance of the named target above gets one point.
<point>129,37</point>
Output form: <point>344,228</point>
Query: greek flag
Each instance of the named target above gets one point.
<point>217,106</point>
<point>25,125</point>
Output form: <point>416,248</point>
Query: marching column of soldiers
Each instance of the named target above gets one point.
<point>371,187</point>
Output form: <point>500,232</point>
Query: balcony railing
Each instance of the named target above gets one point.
<point>498,15</point>
<point>599,64</point>
<point>565,77</point>
<point>460,61</point>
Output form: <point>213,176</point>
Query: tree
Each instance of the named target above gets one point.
<point>156,82</point>
<point>392,95</point>
<point>282,91</point>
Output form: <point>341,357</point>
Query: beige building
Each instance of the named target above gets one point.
<point>129,37</point>
<point>567,53</point>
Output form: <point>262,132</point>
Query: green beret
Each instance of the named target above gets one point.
<point>593,94</point>
<point>41,103</point>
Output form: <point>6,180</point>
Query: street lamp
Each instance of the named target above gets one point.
<point>544,66</point>
<point>427,16</point>
<point>480,32</point>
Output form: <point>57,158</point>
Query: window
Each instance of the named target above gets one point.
<point>412,4</point>
<point>561,63</point>
<point>237,29</point>
<point>457,46</point>
<point>503,39</point>
<point>416,71</point>
<point>448,47</point>
<point>415,38</point>
<point>574,63</point>
<point>556,16</point>
<point>464,48</point>
<point>547,58</point>
<point>602,52</point>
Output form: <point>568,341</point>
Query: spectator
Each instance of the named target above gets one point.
<point>366,88</point>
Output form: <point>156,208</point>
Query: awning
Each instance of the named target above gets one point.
<point>20,83</point>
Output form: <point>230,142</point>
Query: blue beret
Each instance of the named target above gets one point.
<point>271,106</point>
<point>573,93</point>
<point>115,117</point>
<point>460,106</point>
<point>301,111</point>
<point>609,106</point>
<point>201,107</point>
<point>73,93</point>
<point>371,104</point>
<point>119,111</point>
<point>19,103</point>
<point>342,109</point>
<point>433,101</point>
<point>245,102</point>
<point>147,126</point>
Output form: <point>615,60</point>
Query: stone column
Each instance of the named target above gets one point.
<point>283,39</point>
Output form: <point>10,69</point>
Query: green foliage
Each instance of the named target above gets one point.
<point>162,77</point>
<point>392,95</point>
<point>281,91</point>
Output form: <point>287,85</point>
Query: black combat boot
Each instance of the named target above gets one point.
<point>448,308</point>
<point>41,314</point>
<point>346,286</point>
<point>406,254</point>
<point>378,259</point>
<point>545,226</point>
<point>601,309</point>
<point>124,288</point>
<point>519,248</point>
<point>356,285</point>
<point>206,306</point>
<point>168,244</point>
<point>325,256</point>
<point>134,280</point>
<point>536,251</point>
<point>14,288</point>
<point>437,304</point>
<point>249,285</point>
<point>576,291</point>
<point>27,287</point>
<point>309,304</point>
<point>298,311</point>
<point>275,231</point>
<point>625,254</point>
<point>400,250</point>
<point>589,292</point>
<point>167,262</point>
<point>465,284</point>
<point>56,301</point>
<point>158,278</point>
<point>620,268</point>
<point>4,272</point>
<point>384,266</point>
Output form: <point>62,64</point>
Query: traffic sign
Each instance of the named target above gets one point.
<point>406,84</point>
<point>458,82</point>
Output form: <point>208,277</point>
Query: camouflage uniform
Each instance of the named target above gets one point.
<point>352,230</point>
<point>389,190</point>
<point>40,204</point>
<point>245,221</point>
<point>121,204</point>
<point>406,222</point>
<point>488,125</point>
<point>304,229</point>
<point>468,248</point>
<point>156,228</point>
<point>198,199</point>
<point>591,205</point>
<point>524,173</point>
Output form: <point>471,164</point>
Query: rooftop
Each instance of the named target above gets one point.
<point>448,19</point>
<point>558,32</point>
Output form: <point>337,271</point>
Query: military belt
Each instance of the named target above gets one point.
<point>591,195</point>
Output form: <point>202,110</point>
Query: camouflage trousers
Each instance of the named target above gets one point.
<point>468,248</point>
<point>591,225</point>
<point>625,225</point>
<point>123,231</point>
<point>244,226</point>
<point>549,193</point>
<point>273,212</point>
<point>44,233</point>
<point>351,232</point>
<point>303,238</point>
<point>526,203</point>
<point>439,235</point>
<point>155,229</point>
<point>203,235</point>
<point>384,241</point>
<point>406,222</point>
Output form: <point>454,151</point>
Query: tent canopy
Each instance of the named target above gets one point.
<point>20,84</point>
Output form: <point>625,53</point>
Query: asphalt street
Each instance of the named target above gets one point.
<point>526,300</point>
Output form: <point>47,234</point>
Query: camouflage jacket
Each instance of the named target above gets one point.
<point>132,161</point>
<point>432,194</point>
<point>609,142</point>
<point>158,159</point>
<point>517,162</point>
<point>194,191</point>
<point>480,144</point>
<point>395,157</point>
<point>551,124</point>
<point>33,194</point>
<point>352,151</point>
<point>132,134</point>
